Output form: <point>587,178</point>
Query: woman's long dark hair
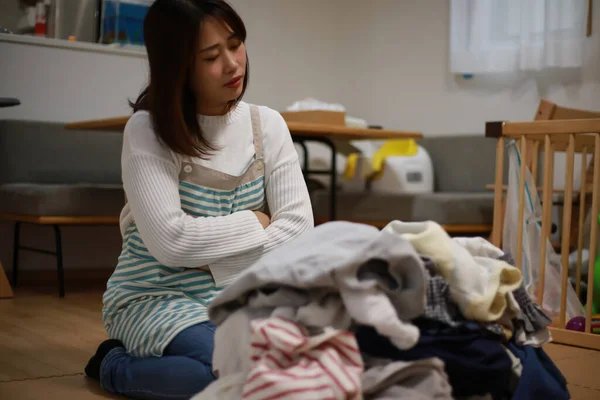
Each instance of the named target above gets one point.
<point>171,30</point>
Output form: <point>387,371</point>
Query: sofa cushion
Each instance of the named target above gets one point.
<point>463,163</point>
<point>61,200</point>
<point>444,208</point>
<point>46,152</point>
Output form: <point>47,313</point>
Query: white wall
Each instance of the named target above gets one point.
<point>386,60</point>
<point>294,48</point>
<point>398,51</point>
<point>59,84</point>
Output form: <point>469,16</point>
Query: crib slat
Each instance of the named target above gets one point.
<point>594,234</point>
<point>546,214</point>
<point>519,258</point>
<point>498,209</point>
<point>534,162</point>
<point>582,198</point>
<point>566,229</point>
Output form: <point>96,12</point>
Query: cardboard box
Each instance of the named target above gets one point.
<point>315,117</point>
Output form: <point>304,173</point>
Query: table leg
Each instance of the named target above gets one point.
<point>305,165</point>
<point>5,289</point>
<point>332,171</point>
<point>333,180</point>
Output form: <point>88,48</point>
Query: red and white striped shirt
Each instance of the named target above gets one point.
<point>289,364</point>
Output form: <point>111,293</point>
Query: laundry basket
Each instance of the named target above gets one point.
<point>529,217</point>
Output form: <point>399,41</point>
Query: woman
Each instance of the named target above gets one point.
<point>199,169</point>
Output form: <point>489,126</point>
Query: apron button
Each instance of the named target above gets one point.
<point>259,165</point>
<point>187,169</point>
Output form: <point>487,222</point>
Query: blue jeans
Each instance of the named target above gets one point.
<point>183,371</point>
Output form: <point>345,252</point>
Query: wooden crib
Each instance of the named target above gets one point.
<point>551,136</point>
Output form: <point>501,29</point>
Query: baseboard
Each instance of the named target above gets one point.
<point>74,277</point>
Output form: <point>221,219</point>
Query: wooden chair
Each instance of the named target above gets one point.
<point>557,133</point>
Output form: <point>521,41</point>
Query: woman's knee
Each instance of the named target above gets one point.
<point>196,342</point>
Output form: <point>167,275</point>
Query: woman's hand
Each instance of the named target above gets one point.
<point>263,218</point>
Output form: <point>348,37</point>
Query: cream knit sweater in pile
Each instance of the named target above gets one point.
<point>150,178</point>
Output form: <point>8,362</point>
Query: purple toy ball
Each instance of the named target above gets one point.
<point>576,324</point>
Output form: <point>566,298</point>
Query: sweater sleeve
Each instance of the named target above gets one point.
<point>287,196</point>
<point>174,238</point>
<point>289,204</point>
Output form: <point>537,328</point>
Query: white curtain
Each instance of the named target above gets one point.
<point>496,36</point>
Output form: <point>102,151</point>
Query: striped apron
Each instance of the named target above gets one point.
<point>147,304</point>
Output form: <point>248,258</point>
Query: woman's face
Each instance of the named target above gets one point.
<point>219,69</point>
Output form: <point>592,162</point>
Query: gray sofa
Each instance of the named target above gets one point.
<point>56,177</point>
<point>463,166</point>
<point>46,170</point>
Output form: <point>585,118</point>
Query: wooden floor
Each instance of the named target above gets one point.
<point>45,343</point>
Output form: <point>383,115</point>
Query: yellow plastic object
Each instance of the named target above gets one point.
<point>351,165</point>
<point>401,147</point>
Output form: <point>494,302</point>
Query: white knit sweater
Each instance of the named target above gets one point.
<point>150,178</point>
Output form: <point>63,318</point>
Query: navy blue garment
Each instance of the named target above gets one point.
<point>432,327</point>
<point>540,378</point>
<point>475,365</point>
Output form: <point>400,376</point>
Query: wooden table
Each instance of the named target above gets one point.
<point>333,136</point>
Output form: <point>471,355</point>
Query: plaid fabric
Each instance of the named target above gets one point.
<point>531,318</point>
<point>441,310</point>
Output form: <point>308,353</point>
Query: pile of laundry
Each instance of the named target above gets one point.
<point>347,311</point>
